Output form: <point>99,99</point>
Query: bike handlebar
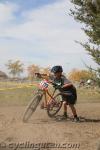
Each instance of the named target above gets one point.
<point>43,76</point>
<point>39,75</point>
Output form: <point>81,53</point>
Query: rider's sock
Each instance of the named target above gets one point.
<point>75,116</point>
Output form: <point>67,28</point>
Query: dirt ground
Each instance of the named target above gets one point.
<point>50,132</point>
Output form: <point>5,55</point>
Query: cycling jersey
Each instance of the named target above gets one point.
<point>70,90</point>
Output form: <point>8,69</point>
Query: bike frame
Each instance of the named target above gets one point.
<point>47,93</point>
<point>42,91</point>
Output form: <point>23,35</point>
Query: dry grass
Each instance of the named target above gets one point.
<point>21,96</point>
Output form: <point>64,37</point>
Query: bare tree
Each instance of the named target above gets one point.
<point>32,69</point>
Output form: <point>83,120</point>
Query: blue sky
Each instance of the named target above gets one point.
<point>41,32</point>
<point>30,4</point>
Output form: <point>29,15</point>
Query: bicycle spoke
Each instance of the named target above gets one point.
<point>32,107</point>
<point>54,106</point>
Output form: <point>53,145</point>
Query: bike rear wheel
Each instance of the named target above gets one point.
<point>54,106</point>
<point>32,106</point>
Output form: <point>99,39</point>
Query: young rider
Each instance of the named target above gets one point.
<point>67,87</point>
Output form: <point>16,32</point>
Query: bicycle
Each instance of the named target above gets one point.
<point>53,104</point>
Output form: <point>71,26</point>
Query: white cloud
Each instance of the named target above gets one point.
<point>49,26</point>
<point>48,30</point>
<point>7,17</point>
<point>6,12</point>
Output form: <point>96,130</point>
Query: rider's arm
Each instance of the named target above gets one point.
<point>67,83</point>
<point>44,76</point>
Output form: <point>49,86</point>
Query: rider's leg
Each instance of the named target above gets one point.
<point>73,109</point>
<point>65,108</point>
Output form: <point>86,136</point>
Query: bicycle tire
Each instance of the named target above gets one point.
<point>53,104</point>
<point>30,109</point>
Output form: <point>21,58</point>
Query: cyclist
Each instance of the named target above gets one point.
<point>67,87</point>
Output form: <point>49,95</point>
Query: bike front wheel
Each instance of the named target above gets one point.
<point>32,106</point>
<point>54,106</point>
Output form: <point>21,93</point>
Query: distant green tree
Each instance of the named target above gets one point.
<point>15,68</point>
<point>88,12</point>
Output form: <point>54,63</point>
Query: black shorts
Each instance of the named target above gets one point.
<point>70,98</point>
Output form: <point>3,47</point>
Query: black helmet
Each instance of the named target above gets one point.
<point>56,69</point>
